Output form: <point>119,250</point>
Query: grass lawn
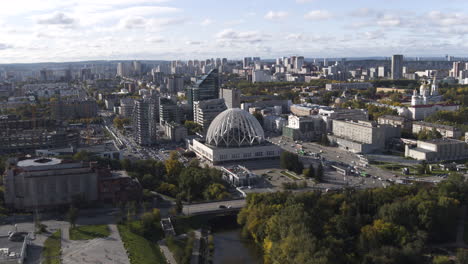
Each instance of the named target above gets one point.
<point>140,250</point>
<point>89,232</point>
<point>181,249</point>
<point>52,247</point>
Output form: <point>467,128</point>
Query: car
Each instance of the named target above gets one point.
<point>222,206</point>
<point>229,206</point>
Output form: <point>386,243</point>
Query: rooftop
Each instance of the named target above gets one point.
<point>10,250</point>
<point>39,162</point>
<point>436,125</point>
<point>443,141</point>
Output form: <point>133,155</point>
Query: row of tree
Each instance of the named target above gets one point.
<point>392,225</point>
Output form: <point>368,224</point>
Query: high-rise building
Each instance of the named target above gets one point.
<point>144,121</point>
<point>137,68</point>
<point>174,84</point>
<point>122,69</point>
<point>381,71</point>
<point>169,111</point>
<point>246,62</point>
<point>299,62</point>
<point>457,67</point>
<point>397,67</point>
<point>204,89</point>
<point>205,111</point>
<point>231,97</point>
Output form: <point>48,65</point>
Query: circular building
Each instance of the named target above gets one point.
<point>234,135</point>
<point>235,128</point>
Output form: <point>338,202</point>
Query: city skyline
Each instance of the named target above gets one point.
<point>58,31</point>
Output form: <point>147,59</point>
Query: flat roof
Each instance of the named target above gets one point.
<point>10,249</point>
<point>39,162</point>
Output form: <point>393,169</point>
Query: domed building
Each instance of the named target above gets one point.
<point>234,135</point>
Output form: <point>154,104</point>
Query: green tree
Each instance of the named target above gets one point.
<point>259,117</point>
<point>179,205</point>
<point>310,173</point>
<point>72,215</point>
<point>173,166</point>
<point>319,173</point>
<point>216,191</point>
<point>423,168</point>
<point>441,260</point>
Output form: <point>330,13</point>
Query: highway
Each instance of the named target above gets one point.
<point>213,206</point>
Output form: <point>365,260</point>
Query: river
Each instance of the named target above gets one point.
<point>231,248</point>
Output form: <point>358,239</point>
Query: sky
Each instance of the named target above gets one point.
<point>77,30</point>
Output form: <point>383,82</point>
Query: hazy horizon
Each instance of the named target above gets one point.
<point>67,31</point>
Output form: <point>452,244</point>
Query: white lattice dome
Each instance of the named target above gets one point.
<point>235,128</point>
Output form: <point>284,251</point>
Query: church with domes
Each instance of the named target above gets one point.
<point>428,94</point>
<point>426,102</point>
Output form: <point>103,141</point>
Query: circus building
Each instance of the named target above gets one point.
<point>234,135</point>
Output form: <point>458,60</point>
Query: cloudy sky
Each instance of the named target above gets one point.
<point>73,30</point>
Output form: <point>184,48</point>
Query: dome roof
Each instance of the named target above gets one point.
<point>235,128</point>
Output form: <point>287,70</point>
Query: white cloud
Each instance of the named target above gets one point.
<point>230,35</point>
<point>132,22</point>
<point>447,19</point>
<point>191,42</point>
<point>4,46</point>
<point>57,18</point>
<point>206,22</point>
<point>155,24</point>
<point>304,1</point>
<point>388,21</point>
<point>363,12</point>
<point>318,15</point>
<point>272,15</point>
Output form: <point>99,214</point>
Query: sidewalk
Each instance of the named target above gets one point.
<point>166,252</point>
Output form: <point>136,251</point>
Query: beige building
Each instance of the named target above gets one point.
<point>396,121</point>
<point>48,182</point>
<point>362,136</point>
<point>390,90</point>
<point>445,131</point>
<point>438,150</point>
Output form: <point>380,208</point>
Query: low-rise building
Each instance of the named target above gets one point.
<point>13,247</point>
<point>175,132</point>
<point>362,136</point>
<point>438,150</point>
<point>274,123</point>
<point>330,114</point>
<point>348,86</point>
<point>108,150</point>
<point>396,121</point>
<point>239,176</point>
<point>444,130</point>
<point>118,187</point>
<point>308,128</point>
<point>48,182</point>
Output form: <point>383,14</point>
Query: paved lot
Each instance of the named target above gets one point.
<point>100,250</point>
